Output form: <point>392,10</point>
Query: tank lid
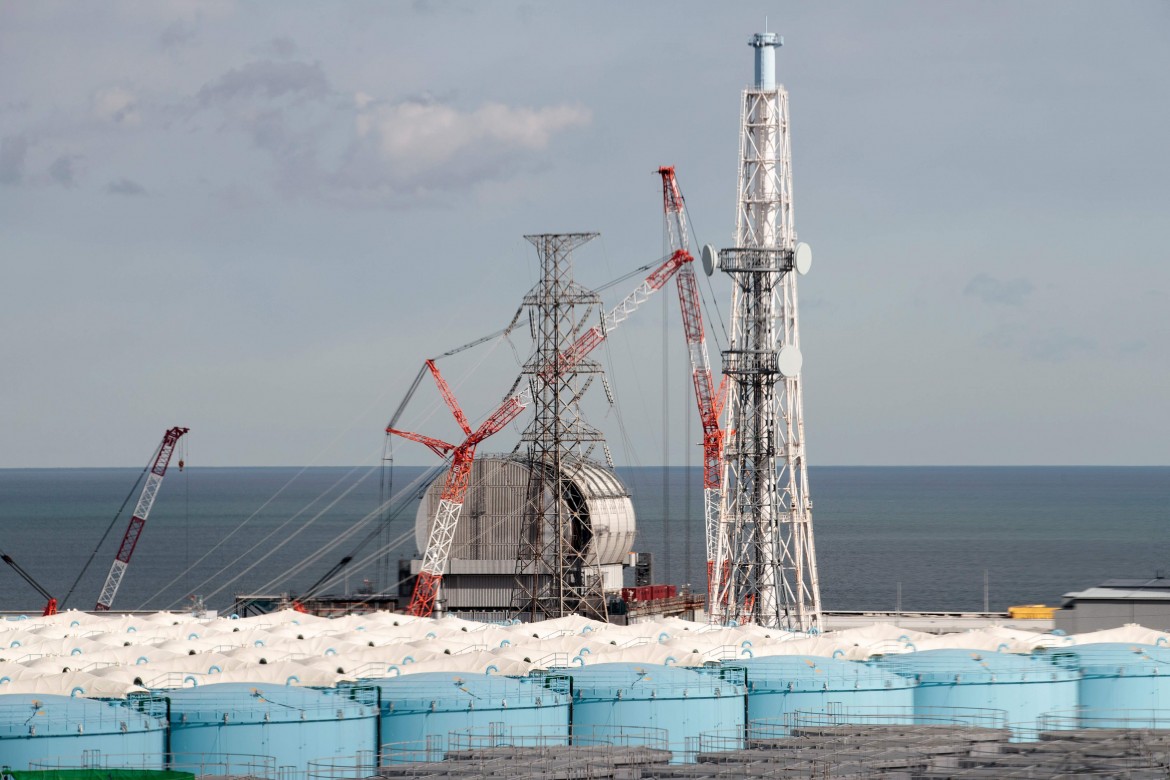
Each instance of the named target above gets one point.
<point>453,691</point>
<point>1113,657</point>
<point>804,672</point>
<point>24,715</point>
<point>969,666</point>
<point>263,703</point>
<point>648,681</point>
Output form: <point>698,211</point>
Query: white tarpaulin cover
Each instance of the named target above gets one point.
<point>110,655</point>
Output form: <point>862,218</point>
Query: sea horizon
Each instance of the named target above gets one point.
<point>918,538</point>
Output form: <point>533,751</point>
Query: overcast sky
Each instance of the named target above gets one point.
<point>257,219</point>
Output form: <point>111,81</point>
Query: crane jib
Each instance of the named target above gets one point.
<point>133,533</point>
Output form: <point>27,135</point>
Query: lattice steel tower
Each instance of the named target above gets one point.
<point>765,562</point>
<point>556,566</point>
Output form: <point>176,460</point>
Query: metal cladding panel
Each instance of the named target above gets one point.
<point>492,520</point>
<point>293,725</point>
<point>67,729</point>
<point>478,591</point>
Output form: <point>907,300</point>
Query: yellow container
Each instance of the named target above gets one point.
<point>1031,612</point>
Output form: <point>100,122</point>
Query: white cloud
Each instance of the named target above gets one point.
<point>117,105</point>
<point>417,135</point>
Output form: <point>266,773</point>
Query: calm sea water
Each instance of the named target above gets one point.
<point>930,532</point>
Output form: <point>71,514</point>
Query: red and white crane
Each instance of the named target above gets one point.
<point>708,398</point>
<point>442,532</point>
<point>154,479</point>
<point>426,588</point>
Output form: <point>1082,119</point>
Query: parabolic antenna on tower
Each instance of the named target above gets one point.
<point>803,259</point>
<point>710,259</point>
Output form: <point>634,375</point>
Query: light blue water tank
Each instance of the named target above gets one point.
<point>683,702</point>
<point>292,725</point>
<point>781,684</point>
<point>417,706</point>
<point>1122,684</point>
<point>59,729</point>
<point>1023,686</point>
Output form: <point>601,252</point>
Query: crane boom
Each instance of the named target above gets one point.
<point>50,602</point>
<point>442,531</point>
<point>154,479</point>
<point>706,395</point>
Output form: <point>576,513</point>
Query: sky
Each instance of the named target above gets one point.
<point>258,219</point>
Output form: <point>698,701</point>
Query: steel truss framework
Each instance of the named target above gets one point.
<point>158,470</point>
<point>709,399</point>
<point>557,573</point>
<point>765,557</point>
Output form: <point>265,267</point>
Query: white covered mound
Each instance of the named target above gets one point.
<point>109,656</point>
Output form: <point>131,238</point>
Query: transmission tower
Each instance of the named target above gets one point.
<point>556,567</point>
<point>765,561</point>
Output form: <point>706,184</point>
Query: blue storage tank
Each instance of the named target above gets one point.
<point>1024,687</point>
<point>292,725</point>
<point>417,706</point>
<point>781,684</point>
<point>1121,684</point>
<point>35,727</point>
<point>683,702</point>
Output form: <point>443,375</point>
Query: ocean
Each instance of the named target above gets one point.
<point>914,538</point>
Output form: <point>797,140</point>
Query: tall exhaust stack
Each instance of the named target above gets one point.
<point>765,569</point>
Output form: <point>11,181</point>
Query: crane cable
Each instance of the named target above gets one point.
<point>331,579</point>
<point>109,528</point>
<point>710,288</point>
<point>339,571</point>
<point>393,545</point>
<point>369,518</point>
<point>317,555</point>
<point>496,335</point>
<point>279,528</point>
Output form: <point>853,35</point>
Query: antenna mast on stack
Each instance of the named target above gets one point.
<point>765,563</point>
